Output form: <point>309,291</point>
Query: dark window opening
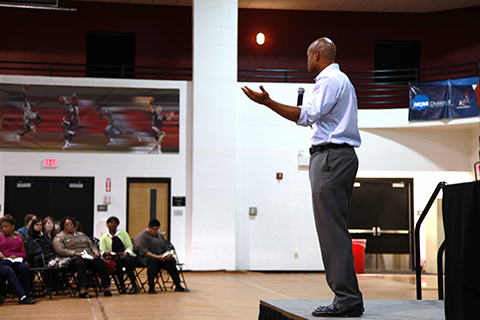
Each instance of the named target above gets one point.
<point>394,55</point>
<point>110,55</point>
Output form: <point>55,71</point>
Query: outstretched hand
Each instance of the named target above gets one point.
<point>262,97</point>
<point>258,97</point>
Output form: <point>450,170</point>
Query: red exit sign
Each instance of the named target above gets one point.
<point>50,163</point>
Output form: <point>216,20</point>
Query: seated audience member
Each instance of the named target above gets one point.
<point>23,230</point>
<point>36,231</point>
<point>78,226</point>
<point>84,254</point>
<point>150,245</point>
<point>49,227</point>
<point>12,254</point>
<point>117,245</point>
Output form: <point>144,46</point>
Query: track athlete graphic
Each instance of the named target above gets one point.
<point>30,119</point>
<point>157,126</point>
<point>71,120</point>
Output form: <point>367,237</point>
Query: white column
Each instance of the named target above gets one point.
<point>212,136</point>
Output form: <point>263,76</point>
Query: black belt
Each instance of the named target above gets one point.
<point>324,147</point>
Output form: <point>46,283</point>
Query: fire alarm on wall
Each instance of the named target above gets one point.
<point>279,176</point>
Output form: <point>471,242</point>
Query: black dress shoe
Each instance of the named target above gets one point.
<point>339,311</point>
<point>181,289</point>
<point>133,291</point>
<point>123,290</point>
<point>84,295</point>
<point>151,290</point>
<point>107,293</point>
<point>27,301</point>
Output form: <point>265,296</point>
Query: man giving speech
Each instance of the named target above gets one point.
<point>332,113</point>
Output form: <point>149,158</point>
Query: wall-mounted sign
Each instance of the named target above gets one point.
<point>178,202</point>
<point>50,163</point>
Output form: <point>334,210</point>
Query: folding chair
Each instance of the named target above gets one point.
<point>41,275</point>
<point>40,282</point>
<point>3,288</point>
<point>112,273</point>
<point>165,276</point>
<point>113,276</point>
<point>95,241</point>
<point>128,283</point>
<point>126,280</point>
<point>94,281</point>
<point>70,281</point>
<point>6,291</point>
<point>141,284</point>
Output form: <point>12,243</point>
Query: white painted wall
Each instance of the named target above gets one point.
<point>215,230</point>
<point>268,144</point>
<point>117,166</point>
<point>428,152</point>
<point>213,137</point>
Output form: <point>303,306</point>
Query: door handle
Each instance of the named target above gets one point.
<point>395,231</point>
<point>377,231</point>
<point>362,231</point>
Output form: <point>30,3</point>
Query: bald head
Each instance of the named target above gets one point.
<point>326,47</point>
<point>321,53</point>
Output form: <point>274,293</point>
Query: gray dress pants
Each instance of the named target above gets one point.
<point>332,174</point>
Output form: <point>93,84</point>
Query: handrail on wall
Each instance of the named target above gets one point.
<point>441,250</point>
<point>418,267</point>
<point>375,88</point>
<point>476,169</point>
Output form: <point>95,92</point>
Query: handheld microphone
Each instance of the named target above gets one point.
<point>301,91</point>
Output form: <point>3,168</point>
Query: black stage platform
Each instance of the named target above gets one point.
<point>374,309</point>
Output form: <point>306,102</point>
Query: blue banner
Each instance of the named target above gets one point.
<point>449,99</point>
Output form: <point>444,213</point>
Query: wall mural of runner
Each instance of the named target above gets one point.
<point>73,118</point>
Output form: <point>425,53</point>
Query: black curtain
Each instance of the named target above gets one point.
<point>461,217</point>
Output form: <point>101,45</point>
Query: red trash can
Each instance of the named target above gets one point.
<point>358,247</point>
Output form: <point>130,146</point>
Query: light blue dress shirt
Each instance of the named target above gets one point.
<point>332,109</point>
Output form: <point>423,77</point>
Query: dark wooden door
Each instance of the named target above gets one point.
<point>148,199</point>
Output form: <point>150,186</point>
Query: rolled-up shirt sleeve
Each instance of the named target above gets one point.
<point>332,110</point>
<point>324,98</point>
